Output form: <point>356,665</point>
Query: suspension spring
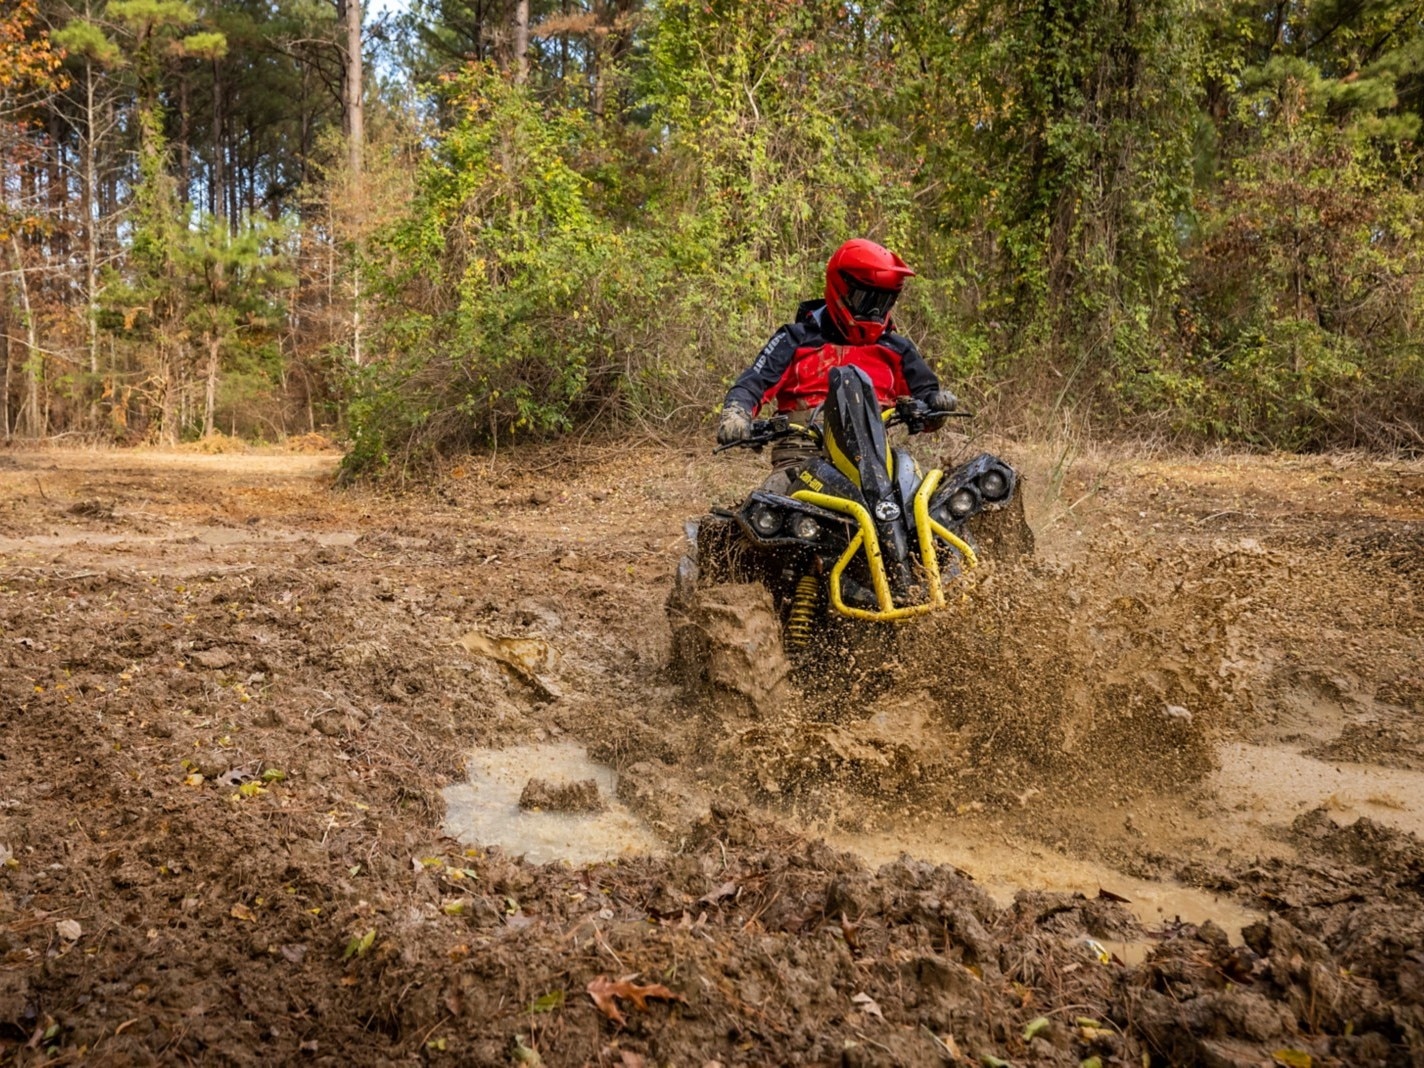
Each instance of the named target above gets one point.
<point>802,619</point>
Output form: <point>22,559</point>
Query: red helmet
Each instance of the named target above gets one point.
<point>862,281</point>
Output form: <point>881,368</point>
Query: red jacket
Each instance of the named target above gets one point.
<point>792,369</point>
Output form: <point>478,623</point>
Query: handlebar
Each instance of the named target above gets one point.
<point>915,415</point>
<point>918,417</point>
<point>765,431</point>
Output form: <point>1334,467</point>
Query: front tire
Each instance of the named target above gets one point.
<point>727,647</point>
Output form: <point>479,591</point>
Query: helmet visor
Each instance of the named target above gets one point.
<point>867,303</point>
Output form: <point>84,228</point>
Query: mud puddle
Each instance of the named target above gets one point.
<point>1274,785</point>
<point>484,810</point>
<point>1004,867</point>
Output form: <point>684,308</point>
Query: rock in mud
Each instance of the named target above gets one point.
<point>216,659</point>
<point>581,796</point>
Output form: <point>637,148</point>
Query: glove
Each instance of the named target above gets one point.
<point>734,426</point>
<point>942,401</point>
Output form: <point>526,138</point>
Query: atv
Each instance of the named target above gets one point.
<point>815,580</point>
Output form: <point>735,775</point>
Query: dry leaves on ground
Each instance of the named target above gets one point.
<point>605,992</point>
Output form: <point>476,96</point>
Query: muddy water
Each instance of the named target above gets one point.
<point>484,810</point>
<point>1274,785</point>
<point>1004,866</point>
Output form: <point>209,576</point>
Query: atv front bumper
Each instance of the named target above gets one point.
<point>868,540</point>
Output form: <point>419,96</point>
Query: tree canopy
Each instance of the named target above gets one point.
<point>1198,221</point>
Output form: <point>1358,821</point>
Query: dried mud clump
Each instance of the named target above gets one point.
<point>581,796</point>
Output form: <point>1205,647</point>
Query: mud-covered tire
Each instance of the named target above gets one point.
<point>727,646</point>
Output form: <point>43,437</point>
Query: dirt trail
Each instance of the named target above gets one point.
<point>234,697</point>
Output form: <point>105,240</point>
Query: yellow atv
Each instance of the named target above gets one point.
<point>862,540</point>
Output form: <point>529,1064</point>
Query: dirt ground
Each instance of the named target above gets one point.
<point>233,696</point>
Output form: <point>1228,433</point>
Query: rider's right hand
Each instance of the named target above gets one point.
<point>734,426</point>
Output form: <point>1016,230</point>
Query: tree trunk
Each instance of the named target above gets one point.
<point>210,399</point>
<point>185,161</point>
<point>219,200</point>
<point>91,243</point>
<point>168,412</point>
<point>521,41</point>
<point>356,127</point>
<point>355,115</point>
<point>29,423</point>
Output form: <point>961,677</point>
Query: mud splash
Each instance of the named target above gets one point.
<point>484,810</point>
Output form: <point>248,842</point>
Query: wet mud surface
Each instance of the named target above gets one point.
<point>1150,797</point>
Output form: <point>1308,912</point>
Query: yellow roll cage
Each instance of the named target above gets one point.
<point>867,538</point>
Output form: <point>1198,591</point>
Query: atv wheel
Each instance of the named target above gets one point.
<point>726,643</point>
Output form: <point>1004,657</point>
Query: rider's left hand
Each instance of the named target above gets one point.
<point>942,401</point>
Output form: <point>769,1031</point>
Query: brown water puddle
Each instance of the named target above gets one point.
<point>1275,784</point>
<point>1004,867</point>
<point>484,810</point>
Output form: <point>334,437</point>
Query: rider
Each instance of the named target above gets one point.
<point>851,327</point>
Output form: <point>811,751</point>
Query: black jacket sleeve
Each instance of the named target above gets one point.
<point>766,370</point>
<point>923,382</point>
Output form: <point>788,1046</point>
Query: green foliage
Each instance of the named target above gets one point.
<point>84,38</point>
<point>497,284</point>
<point>1305,272</point>
<point>1191,218</point>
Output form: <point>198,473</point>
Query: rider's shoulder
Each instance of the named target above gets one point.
<point>810,320</point>
<point>896,341</point>
<point>810,310</point>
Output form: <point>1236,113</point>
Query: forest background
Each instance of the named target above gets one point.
<point>481,220</point>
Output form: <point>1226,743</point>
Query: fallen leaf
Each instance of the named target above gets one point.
<point>725,890</point>
<point>1292,1058</point>
<point>554,999</point>
<point>525,1055</point>
<point>867,1005</point>
<point>944,1043</point>
<point>357,947</point>
<point>69,930</point>
<point>605,992</point>
<point>242,912</point>
<point>1035,1026</point>
<point>193,780</point>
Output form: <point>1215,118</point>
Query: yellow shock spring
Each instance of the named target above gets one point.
<point>802,619</point>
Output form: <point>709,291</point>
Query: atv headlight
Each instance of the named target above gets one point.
<point>805,528</point>
<point>765,521</point>
<point>962,501</point>
<point>994,486</point>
